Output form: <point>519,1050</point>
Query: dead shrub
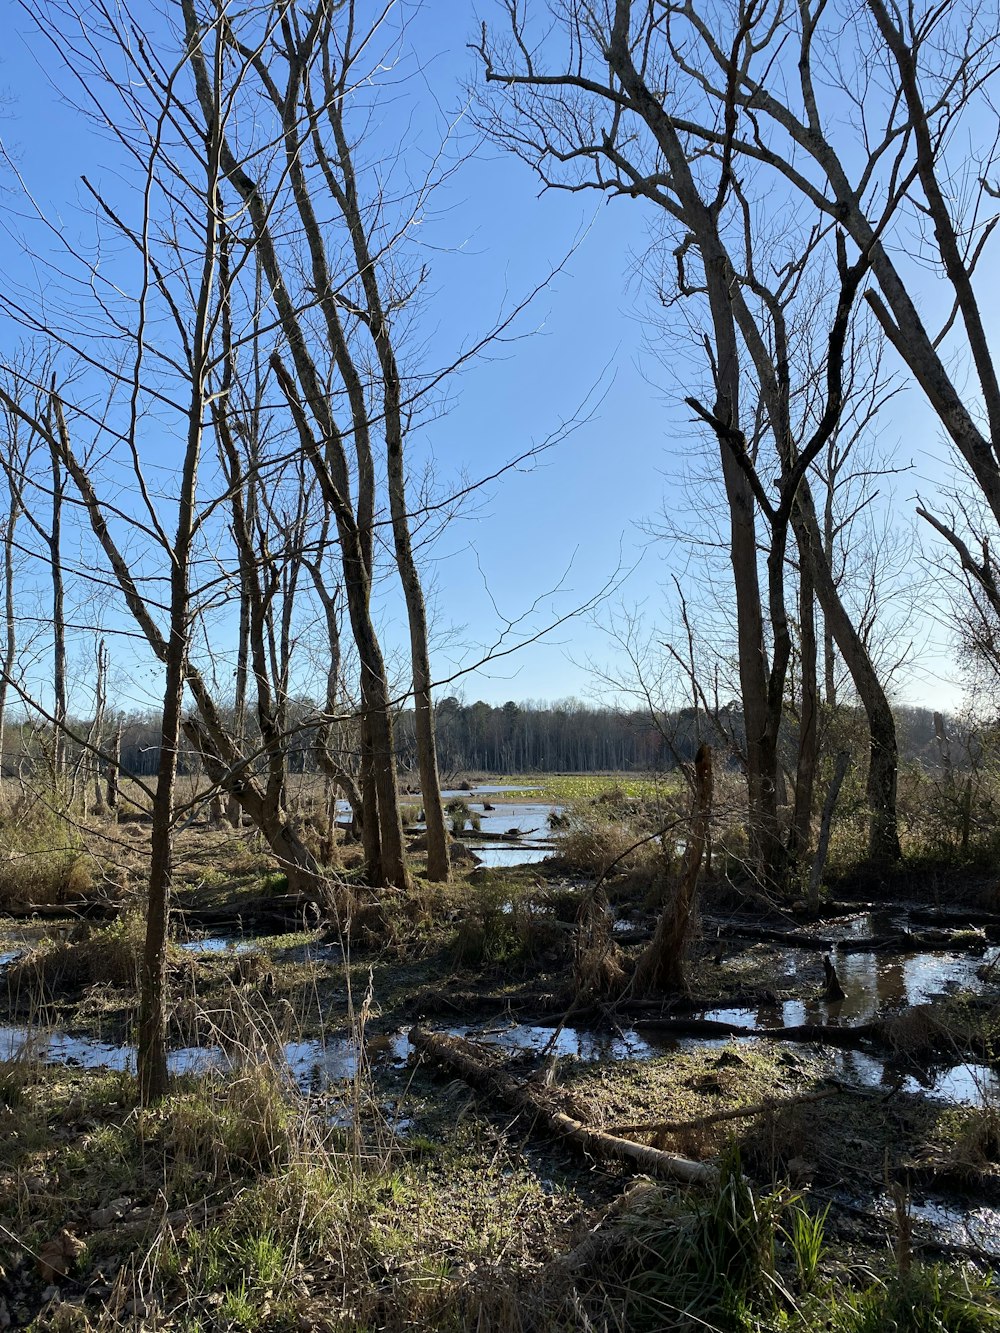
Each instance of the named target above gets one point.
<point>918,1030</point>
<point>595,845</point>
<point>107,956</point>
<point>598,964</point>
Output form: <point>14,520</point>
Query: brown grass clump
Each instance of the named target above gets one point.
<point>108,956</point>
<point>42,861</point>
<point>596,845</point>
<point>918,1030</point>
<point>44,878</point>
<point>598,962</point>
<point>977,1144</point>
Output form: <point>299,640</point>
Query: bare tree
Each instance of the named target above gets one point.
<point>891,177</point>
<point>602,121</point>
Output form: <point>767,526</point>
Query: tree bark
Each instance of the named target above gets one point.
<point>661,965</point>
<point>808,750</point>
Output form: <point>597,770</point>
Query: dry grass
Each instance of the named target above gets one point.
<point>108,955</point>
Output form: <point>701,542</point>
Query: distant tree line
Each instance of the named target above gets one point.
<point>529,737</point>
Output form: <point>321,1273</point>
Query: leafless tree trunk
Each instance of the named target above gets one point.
<point>96,737</point>
<point>808,746</point>
<point>343,186</point>
<point>9,656</point>
<point>661,966</point>
<point>322,445</point>
<point>840,768</point>
<point>113,768</point>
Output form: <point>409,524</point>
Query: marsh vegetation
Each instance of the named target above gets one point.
<point>801,1162</point>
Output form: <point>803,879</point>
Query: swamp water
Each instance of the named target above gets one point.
<point>877,984</point>
<point>524,826</point>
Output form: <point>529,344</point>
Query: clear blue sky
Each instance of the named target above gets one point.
<point>571,521</point>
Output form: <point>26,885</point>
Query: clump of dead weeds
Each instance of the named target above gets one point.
<point>108,955</point>
<point>42,861</point>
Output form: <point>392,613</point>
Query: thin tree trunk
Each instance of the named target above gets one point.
<point>97,733</point>
<point>10,612</point>
<point>819,864</point>
<point>766,847</point>
<point>883,764</point>
<point>329,461</point>
<point>58,622</point>
<point>661,966</point>
<point>346,195</point>
<point>805,773</point>
<point>113,769</point>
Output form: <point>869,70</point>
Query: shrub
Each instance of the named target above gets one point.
<point>594,845</point>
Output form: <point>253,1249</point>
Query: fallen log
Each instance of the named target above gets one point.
<point>959,917</point>
<point>462,1057</point>
<point>794,939</point>
<point>735,1113</point>
<point>278,909</point>
<point>823,1033</point>
<point>90,909</point>
<point>440,998</point>
<point>916,941</point>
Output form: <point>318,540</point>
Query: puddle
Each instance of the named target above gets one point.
<point>960,1224</point>
<point>527,820</point>
<point>214,944</point>
<point>874,983</point>
<point>501,854</point>
<point>578,1042</point>
<point>314,1064</point>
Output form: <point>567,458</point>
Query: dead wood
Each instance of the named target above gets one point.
<point>661,965</point>
<point>958,918</point>
<point>279,909</point>
<point>834,990</point>
<point>827,1035</point>
<point>441,998</point>
<point>605,1234</point>
<point>914,941</point>
<point>959,1178</point>
<point>794,939</point>
<point>90,908</point>
<point>465,1059</point>
<point>735,1113</point>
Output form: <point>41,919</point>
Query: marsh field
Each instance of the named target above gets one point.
<point>410,1113</point>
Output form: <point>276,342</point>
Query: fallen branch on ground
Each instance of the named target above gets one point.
<point>465,1059</point>
<point>736,1113</point>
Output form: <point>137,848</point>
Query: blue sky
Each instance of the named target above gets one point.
<point>571,521</point>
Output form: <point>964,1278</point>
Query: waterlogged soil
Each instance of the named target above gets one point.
<point>895,1123</point>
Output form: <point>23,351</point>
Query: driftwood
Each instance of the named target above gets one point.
<point>825,1034</point>
<point>717,1117</point>
<point>794,939</point>
<point>90,908</point>
<point>914,941</point>
<point>465,1059</point>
